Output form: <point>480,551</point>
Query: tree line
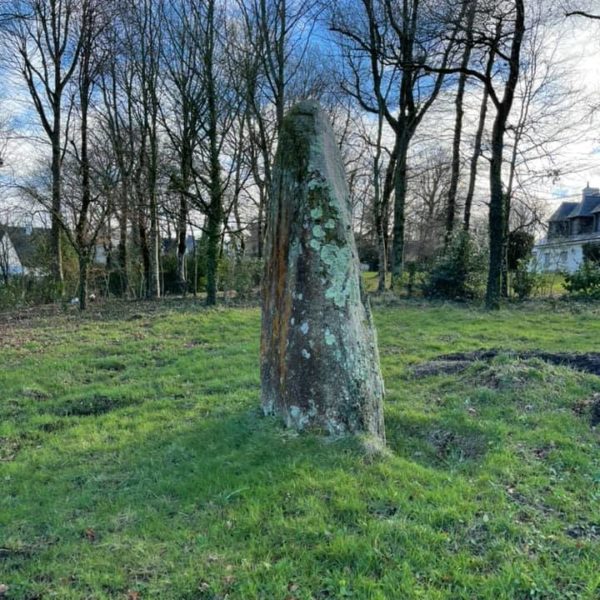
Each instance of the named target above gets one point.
<point>162,116</point>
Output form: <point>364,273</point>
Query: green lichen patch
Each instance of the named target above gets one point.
<point>329,337</point>
<point>318,232</point>
<point>337,260</point>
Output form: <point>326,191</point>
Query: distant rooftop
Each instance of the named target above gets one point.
<point>563,211</point>
<point>589,204</point>
<point>30,243</point>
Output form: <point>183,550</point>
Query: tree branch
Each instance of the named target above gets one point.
<point>581,13</point>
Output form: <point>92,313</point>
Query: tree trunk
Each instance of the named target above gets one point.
<point>123,247</point>
<point>55,231</point>
<point>504,276</point>
<point>181,245</point>
<point>381,253</point>
<point>145,254</point>
<point>474,160</point>
<point>496,214</point>
<point>215,211</point>
<point>458,124</point>
<point>213,234</point>
<point>154,249</point>
<point>84,261</point>
<point>399,213</point>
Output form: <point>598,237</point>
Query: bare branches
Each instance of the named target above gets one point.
<point>581,13</point>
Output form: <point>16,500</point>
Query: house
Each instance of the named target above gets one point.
<point>573,225</point>
<point>10,263</point>
<point>170,245</point>
<point>23,250</point>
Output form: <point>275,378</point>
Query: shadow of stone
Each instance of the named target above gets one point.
<point>438,443</point>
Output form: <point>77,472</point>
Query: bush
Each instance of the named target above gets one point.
<point>585,282</point>
<point>520,245</point>
<point>458,273</point>
<point>525,279</point>
<point>195,268</point>
<point>240,275</point>
<point>591,253</point>
<point>368,253</point>
<point>22,291</point>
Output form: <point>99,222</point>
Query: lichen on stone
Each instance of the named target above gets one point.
<point>329,337</point>
<point>318,232</point>
<point>315,244</point>
<point>337,261</point>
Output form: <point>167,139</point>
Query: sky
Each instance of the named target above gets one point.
<point>577,159</point>
<point>581,45</point>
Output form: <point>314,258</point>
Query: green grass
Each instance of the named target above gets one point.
<point>134,463</point>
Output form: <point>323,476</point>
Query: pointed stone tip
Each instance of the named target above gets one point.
<point>306,107</point>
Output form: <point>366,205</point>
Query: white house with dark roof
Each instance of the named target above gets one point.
<point>22,250</point>
<point>573,225</point>
<point>10,263</point>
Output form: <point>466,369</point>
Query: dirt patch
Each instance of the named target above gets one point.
<point>459,361</point>
<point>90,406</point>
<point>595,411</point>
<point>110,365</point>
<point>440,367</point>
<point>11,553</point>
<point>589,531</point>
<point>8,449</point>
<point>382,510</point>
<point>452,445</point>
<point>451,364</point>
<point>589,407</point>
<point>36,394</point>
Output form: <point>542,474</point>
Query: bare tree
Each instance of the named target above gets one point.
<point>47,48</point>
<point>183,110</point>
<point>509,29</point>
<point>276,68</point>
<point>116,121</point>
<point>388,45</point>
<point>427,207</point>
<point>467,29</point>
<point>91,209</point>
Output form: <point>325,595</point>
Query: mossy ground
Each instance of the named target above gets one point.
<point>134,463</point>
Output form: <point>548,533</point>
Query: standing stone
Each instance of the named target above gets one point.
<point>319,358</point>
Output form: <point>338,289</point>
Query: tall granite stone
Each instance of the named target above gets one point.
<point>319,359</point>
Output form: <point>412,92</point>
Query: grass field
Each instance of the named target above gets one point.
<point>134,463</point>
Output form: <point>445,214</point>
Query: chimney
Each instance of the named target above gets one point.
<point>590,191</point>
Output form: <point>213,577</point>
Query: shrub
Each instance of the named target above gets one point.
<point>520,245</point>
<point>195,268</point>
<point>585,282</point>
<point>22,291</point>
<point>240,275</point>
<point>368,253</point>
<point>459,272</point>
<point>525,279</point>
<point>591,253</point>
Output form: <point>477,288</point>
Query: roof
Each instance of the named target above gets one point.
<point>563,211</point>
<point>585,208</point>
<point>590,204</point>
<point>30,244</point>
